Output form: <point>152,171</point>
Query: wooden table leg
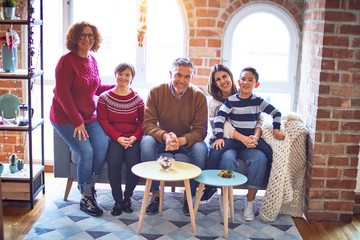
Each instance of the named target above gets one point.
<point>225,207</point>
<point>198,197</point>
<point>190,204</point>
<point>143,205</point>
<point>231,199</point>
<point>161,204</point>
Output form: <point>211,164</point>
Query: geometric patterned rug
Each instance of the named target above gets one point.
<point>64,220</point>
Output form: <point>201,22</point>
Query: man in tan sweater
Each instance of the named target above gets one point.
<point>175,122</point>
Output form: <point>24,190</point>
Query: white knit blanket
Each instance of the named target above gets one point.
<point>285,190</point>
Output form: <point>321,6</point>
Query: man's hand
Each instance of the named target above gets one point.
<point>172,142</point>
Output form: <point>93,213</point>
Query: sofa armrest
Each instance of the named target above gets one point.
<point>62,157</point>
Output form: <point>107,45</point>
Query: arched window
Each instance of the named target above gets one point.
<point>265,37</point>
<point>117,22</point>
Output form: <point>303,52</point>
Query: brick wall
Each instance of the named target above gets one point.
<point>329,88</point>
<point>329,92</point>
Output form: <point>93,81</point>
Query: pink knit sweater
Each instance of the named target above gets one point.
<point>77,82</point>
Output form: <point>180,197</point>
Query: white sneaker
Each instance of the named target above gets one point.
<point>221,207</point>
<point>249,211</point>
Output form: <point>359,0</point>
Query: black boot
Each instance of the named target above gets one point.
<point>116,211</point>
<point>126,205</point>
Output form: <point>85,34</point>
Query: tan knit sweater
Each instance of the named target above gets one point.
<point>186,117</point>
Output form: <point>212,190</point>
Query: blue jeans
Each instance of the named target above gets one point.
<point>151,149</point>
<point>216,154</point>
<point>256,161</point>
<point>91,152</point>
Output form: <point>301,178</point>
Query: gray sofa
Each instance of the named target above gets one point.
<point>65,165</point>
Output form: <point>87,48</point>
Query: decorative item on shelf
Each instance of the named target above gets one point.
<point>142,23</point>
<point>1,168</point>
<point>9,50</point>
<point>9,9</point>
<point>20,164</point>
<point>23,115</point>
<point>13,163</point>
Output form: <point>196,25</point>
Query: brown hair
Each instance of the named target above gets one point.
<point>213,89</point>
<point>73,36</point>
<point>123,66</point>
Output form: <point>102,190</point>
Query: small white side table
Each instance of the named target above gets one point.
<point>180,171</point>
<point>211,177</point>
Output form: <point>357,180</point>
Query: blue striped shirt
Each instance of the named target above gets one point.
<point>243,114</point>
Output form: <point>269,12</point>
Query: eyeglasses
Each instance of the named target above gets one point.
<point>84,35</point>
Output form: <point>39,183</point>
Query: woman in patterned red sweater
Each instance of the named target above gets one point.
<point>121,114</point>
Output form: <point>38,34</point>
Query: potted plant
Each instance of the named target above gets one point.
<point>20,164</point>
<point>12,163</point>
<point>9,8</point>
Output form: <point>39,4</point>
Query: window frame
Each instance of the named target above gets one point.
<point>268,87</point>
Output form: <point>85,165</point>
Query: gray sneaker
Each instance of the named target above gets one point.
<point>249,211</point>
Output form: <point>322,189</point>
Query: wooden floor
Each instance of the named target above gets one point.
<point>19,218</point>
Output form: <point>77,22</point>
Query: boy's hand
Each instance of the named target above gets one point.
<point>278,134</point>
<point>218,144</point>
<point>251,141</point>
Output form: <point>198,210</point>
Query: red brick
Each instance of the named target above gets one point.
<point>323,113</point>
<point>336,41</point>
<point>197,42</point>
<point>322,216</point>
<point>338,161</point>
<point>347,138</point>
<point>337,52</point>
<point>324,89</point>
<point>347,195</point>
<point>340,16</point>
<point>209,13</point>
<point>352,149</point>
<point>350,29</point>
<point>343,184</point>
<point>316,183</point>
<point>354,4</point>
<point>327,124</point>
<point>325,172</point>
<point>205,23</point>
<point>331,148</point>
<point>350,125</point>
<point>329,77</point>
<point>341,90</point>
<point>346,217</point>
<point>328,65</point>
<point>348,65</point>
<point>346,114</point>
<point>214,43</point>
<point>350,173</point>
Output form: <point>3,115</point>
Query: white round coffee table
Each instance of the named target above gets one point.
<point>180,171</point>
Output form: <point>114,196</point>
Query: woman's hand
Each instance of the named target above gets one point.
<point>218,144</point>
<point>126,142</point>
<point>81,132</point>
